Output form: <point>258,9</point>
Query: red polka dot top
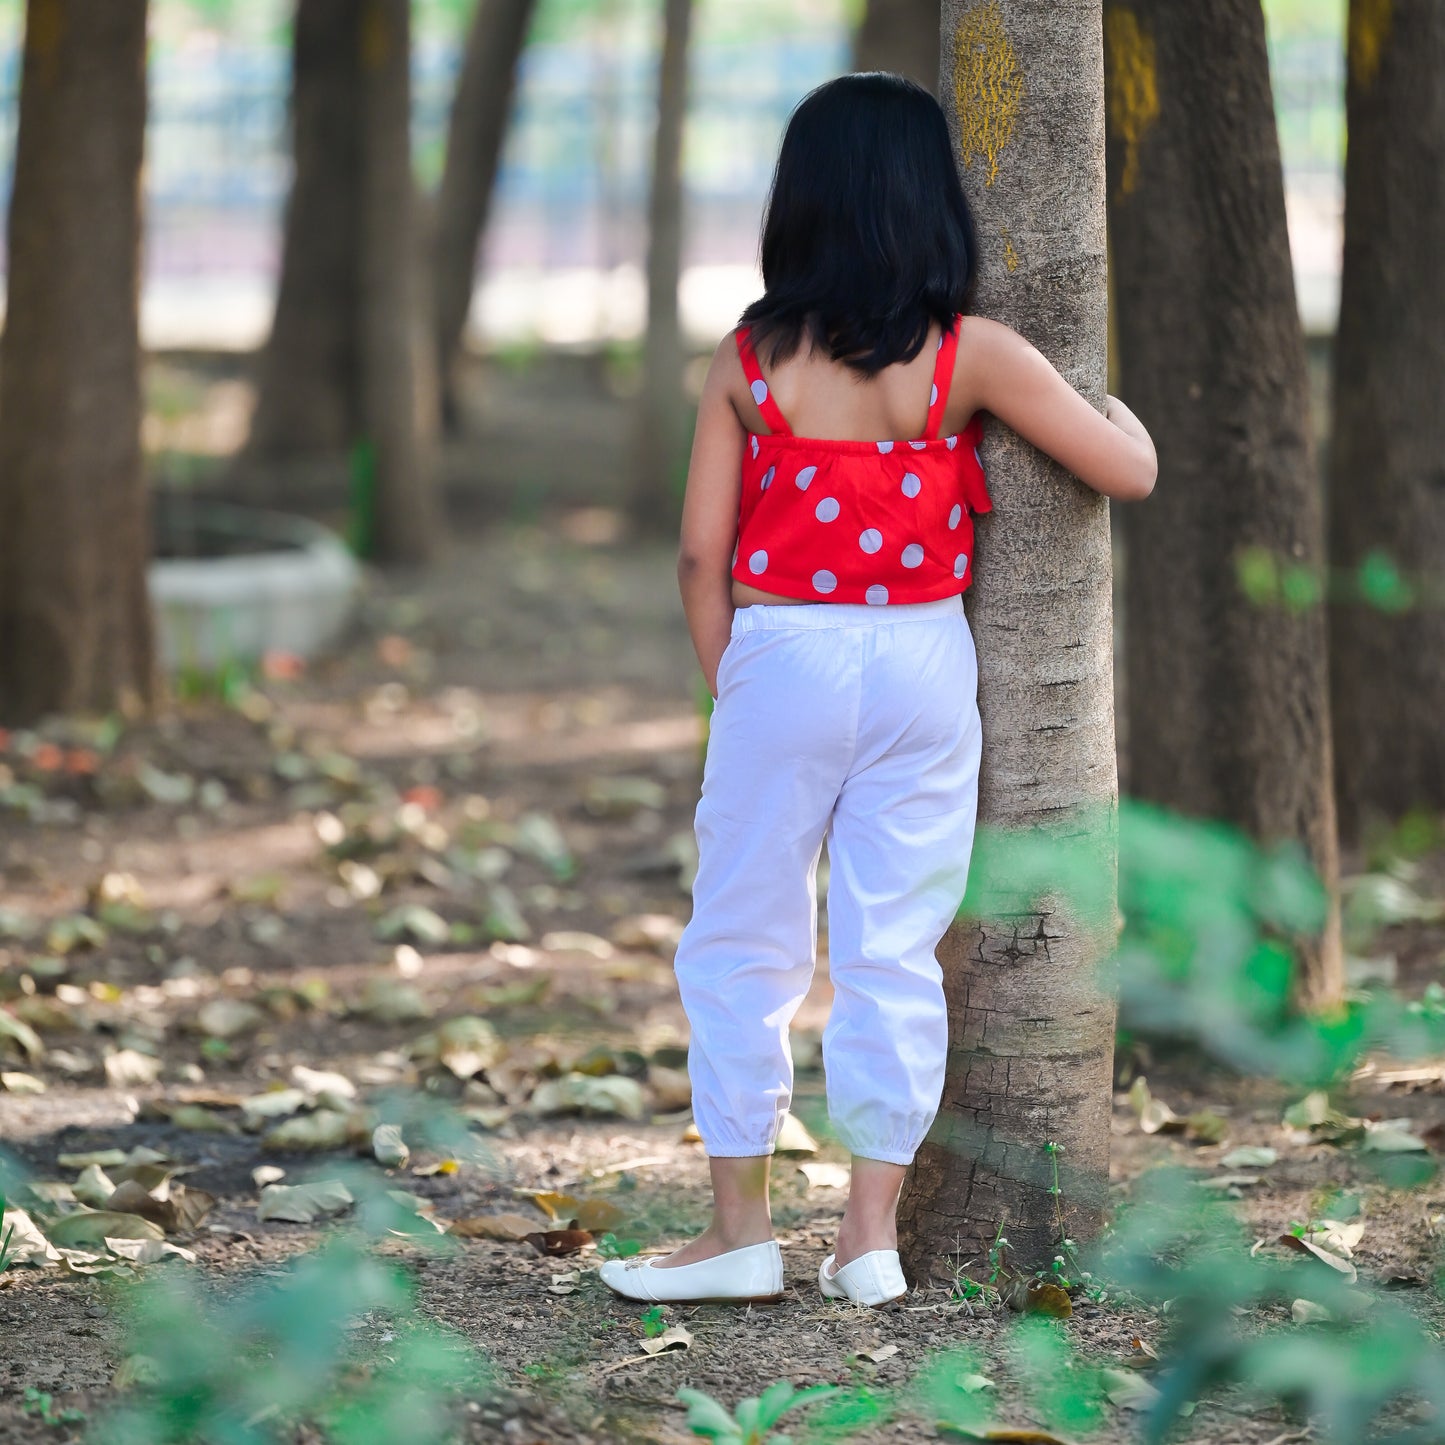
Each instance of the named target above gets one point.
<point>842,521</point>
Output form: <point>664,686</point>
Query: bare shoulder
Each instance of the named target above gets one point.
<point>988,350</point>
<point>981,340</point>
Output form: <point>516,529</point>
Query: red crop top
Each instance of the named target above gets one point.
<point>843,521</point>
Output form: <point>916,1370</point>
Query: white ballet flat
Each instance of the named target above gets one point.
<point>751,1275</point>
<point>872,1279</point>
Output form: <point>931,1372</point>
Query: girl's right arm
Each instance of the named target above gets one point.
<point>710,512</point>
<point>1006,375</point>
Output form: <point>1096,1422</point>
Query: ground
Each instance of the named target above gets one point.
<point>514,732</point>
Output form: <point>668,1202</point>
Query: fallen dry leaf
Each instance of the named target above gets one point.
<point>304,1203</point>
<point>674,1338</point>
<point>793,1137</point>
<point>826,1176</point>
<point>558,1242</point>
<point>877,1354</point>
<point>494,1226</point>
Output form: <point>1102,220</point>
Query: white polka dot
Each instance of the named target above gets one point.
<point>978,458</point>
<point>806,476</point>
<point>758,562</point>
<point>933,395</point>
<point>950,442</point>
<point>955,517</point>
<point>960,565</point>
<point>759,390</point>
<point>876,595</point>
<point>918,446</point>
<point>824,581</point>
<point>828,510</point>
<point>941,336</point>
<point>911,485</point>
<point>755,448</point>
<point>871,540</point>
<point>885,447</point>
<point>913,555</point>
<point>768,477</point>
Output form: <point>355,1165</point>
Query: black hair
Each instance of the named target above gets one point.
<point>867,236</point>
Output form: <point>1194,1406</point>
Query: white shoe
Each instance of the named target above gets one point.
<point>872,1279</point>
<point>751,1275</point>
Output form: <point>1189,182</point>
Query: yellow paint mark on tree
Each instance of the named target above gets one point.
<point>1010,255</point>
<point>988,86</point>
<point>1133,94</point>
<point>1370,22</point>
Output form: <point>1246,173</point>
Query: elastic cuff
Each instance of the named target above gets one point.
<point>738,1151</point>
<point>903,1157</point>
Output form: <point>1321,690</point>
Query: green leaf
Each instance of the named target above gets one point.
<point>709,1417</point>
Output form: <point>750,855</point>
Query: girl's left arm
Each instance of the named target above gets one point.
<point>710,512</point>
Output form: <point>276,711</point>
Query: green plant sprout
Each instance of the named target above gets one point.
<point>40,1405</point>
<point>7,1240</point>
<point>753,1421</point>
<point>652,1322</point>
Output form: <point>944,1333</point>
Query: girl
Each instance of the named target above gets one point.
<point>821,571</point>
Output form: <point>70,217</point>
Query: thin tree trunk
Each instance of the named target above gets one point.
<point>1032,1033</point>
<point>75,624</point>
<point>655,497</point>
<point>394,408</point>
<point>1387,492</point>
<point>347,366</point>
<point>478,128</point>
<point>1228,704</point>
<point>308,380</point>
<point>901,36</point>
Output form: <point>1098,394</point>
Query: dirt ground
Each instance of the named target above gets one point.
<point>522,716</point>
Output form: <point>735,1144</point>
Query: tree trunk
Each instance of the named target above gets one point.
<point>75,624</point>
<point>396,416</point>
<point>480,112</point>
<point>655,497</point>
<point>1225,649</point>
<point>344,367</point>
<point>308,380</point>
<point>901,36</point>
<point>1387,493</point>
<point>1032,1033</point>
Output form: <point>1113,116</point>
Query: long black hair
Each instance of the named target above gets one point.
<point>867,236</point>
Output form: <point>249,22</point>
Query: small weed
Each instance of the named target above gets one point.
<point>610,1247</point>
<point>40,1405</point>
<point>7,1240</point>
<point>652,1321</point>
<point>753,1421</point>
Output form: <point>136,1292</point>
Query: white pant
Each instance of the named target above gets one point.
<point>859,725</point>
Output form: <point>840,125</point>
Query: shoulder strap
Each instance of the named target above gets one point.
<point>762,392</point>
<point>942,380</point>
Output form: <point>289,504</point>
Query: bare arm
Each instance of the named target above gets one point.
<point>1011,378</point>
<point>710,513</point>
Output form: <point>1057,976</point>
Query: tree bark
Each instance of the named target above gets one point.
<point>396,416</point>
<point>75,623</point>
<point>1387,482</point>
<point>655,496</point>
<point>478,129</point>
<point>1031,1029</point>
<point>308,379</point>
<point>344,368</point>
<point>1225,648</point>
<point>901,36</point>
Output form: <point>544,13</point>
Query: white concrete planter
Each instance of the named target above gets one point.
<point>258,582</point>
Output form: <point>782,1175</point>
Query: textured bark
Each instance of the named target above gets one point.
<point>1227,699</point>
<point>344,366</point>
<point>901,36</point>
<point>1387,492</point>
<point>1031,1030</point>
<point>75,626</point>
<point>480,111</point>
<point>654,498</point>
<point>309,378</point>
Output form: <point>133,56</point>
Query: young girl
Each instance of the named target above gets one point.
<point>826,542</point>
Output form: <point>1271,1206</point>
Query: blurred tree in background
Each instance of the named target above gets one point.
<point>475,135</point>
<point>344,367</point>
<point>75,624</point>
<point>662,414</point>
<point>901,36</point>
<point>1031,1027</point>
<point>1387,474</point>
<point>1225,664</point>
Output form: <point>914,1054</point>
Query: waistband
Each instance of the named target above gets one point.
<point>821,616</point>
